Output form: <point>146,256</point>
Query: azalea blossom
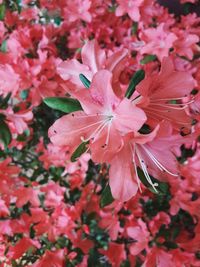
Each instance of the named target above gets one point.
<point>131,7</point>
<point>103,123</point>
<point>93,60</point>
<point>151,153</point>
<point>115,183</point>
<point>163,94</point>
<point>158,41</point>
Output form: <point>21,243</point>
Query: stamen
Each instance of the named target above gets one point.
<point>135,167</point>
<point>172,106</point>
<point>156,162</point>
<point>144,169</point>
<point>156,114</point>
<point>91,115</point>
<point>97,131</point>
<point>88,126</point>
<point>167,99</point>
<point>108,134</point>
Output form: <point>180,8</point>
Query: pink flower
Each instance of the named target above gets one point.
<point>51,258</point>
<point>159,258</point>
<point>4,211</point>
<point>104,121</point>
<point>185,44</point>
<point>18,120</point>
<point>16,251</point>
<point>25,194</point>
<point>131,7</point>
<point>2,30</point>
<point>163,95</point>
<point>93,60</point>
<point>77,9</point>
<point>115,253</point>
<point>158,41</point>
<point>141,235</point>
<point>152,153</point>
<point>160,219</point>
<point>9,80</point>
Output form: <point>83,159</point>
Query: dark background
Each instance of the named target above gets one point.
<point>175,7</point>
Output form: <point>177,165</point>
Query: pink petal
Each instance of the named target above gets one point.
<point>121,174</point>
<point>70,70</point>
<point>101,90</point>
<point>71,128</point>
<point>102,152</point>
<point>93,56</point>
<point>129,117</point>
<point>134,14</point>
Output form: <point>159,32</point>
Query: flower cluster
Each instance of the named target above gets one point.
<point>99,133</point>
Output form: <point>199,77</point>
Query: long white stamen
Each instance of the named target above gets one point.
<point>86,127</point>
<point>144,169</point>
<point>135,167</point>
<point>100,130</point>
<point>155,113</point>
<point>157,163</point>
<point>167,99</point>
<point>91,115</point>
<point>108,134</point>
<point>172,106</point>
<point>97,131</point>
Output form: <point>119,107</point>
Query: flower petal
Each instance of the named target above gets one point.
<point>93,56</point>
<point>122,183</point>
<point>129,117</point>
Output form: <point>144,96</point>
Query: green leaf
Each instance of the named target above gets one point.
<point>2,11</point>
<point>19,5</point>
<point>5,134</point>
<point>84,80</point>
<point>134,28</point>
<point>79,151</point>
<point>4,101</point>
<point>137,77</point>
<point>106,197</point>
<point>66,105</point>
<point>57,20</point>
<point>3,47</point>
<point>162,188</point>
<point>147,59</point>
<point>24,94</point>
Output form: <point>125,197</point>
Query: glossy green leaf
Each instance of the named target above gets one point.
<point>137,78</point>
<point>106,197</point>
<point>66,105</point>
<point>84,80</point>
<point>79,151</point>
<point>5,134</point>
